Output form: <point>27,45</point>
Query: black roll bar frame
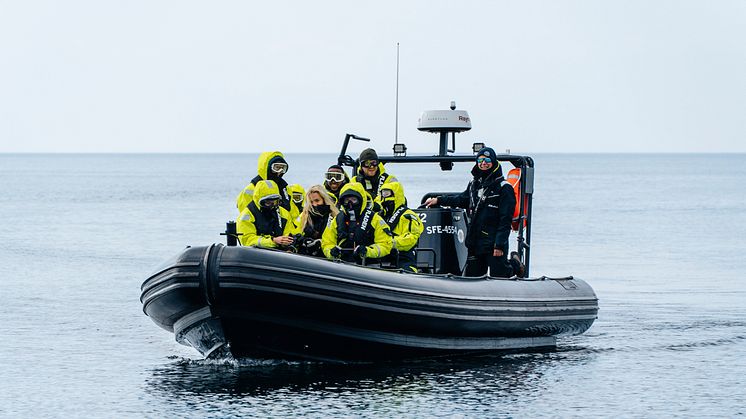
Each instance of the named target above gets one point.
<point>525,163</point>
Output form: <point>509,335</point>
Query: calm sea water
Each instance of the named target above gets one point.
<point>660,237</point>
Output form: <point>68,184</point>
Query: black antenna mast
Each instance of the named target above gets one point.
<point>396,129</point>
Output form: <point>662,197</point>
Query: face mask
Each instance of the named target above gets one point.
<point>388,207</point>
<point>268,210</point>
<point>351,210</point>
<point>321,209</point>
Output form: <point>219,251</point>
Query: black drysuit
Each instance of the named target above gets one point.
<point>489,202</point>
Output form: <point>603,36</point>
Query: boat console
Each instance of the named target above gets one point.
<point>441,249</point>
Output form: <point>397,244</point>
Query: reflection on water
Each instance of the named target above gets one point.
<point>469,381</point>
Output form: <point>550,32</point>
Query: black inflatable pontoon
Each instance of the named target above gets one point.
<point>264,303</point>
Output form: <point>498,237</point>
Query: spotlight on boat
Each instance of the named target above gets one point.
<point>476,147</point>
<point>400,149</point>
<point>446,165</point>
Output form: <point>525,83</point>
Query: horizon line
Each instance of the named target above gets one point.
<point>336,153</point>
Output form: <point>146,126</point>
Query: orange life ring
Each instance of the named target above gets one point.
<point>514,178</point>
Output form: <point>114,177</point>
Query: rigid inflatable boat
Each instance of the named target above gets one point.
<point>263,303</point>
<point>249,302</point>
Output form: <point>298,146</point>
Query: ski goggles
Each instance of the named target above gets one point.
<point>387,193</point>
<point>279,167</point>
<point>484,160</point>
<point>297,197</point>
<point>270,202</point>
<point>369,163</point>
<point>334,177</point>
<point>350,201</point>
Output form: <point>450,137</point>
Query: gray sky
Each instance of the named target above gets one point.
<point>535,76</point>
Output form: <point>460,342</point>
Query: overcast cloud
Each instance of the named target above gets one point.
<point>535,76</point>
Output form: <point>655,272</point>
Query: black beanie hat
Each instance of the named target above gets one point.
<point>276,159</point>
<point>488,152</point>
<point>368,154</point>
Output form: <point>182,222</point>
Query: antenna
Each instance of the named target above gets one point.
<point>396,129</point>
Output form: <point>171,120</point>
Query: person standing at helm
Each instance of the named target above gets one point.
<point>489,202</point>
<point>264,223</point>
<point>318,212</point>
<point>357,232</point>
<point>297,200</point>
<point>334,179</point>
<point>272,166</point>
<point>405,225</point>
<point>371,174</point>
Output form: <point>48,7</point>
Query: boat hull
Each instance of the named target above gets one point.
<point>262,303</point>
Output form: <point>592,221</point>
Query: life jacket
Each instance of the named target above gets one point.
<point>272,224</point>
<point>393,220</point>
<point>514,178</point>
<point>319,225</point>
<point>359,232</point>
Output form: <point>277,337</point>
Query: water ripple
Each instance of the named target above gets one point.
<point>707,343</point>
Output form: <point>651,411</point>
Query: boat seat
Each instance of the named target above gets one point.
<point>425,258</point>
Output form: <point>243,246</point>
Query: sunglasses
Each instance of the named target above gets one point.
<point>297,197</point>
<point>335,176</point>
<point>370,163</point>
<point>279,167</point>
<point>387,193</point>
<point>270,203</point>
<point>484,160</point>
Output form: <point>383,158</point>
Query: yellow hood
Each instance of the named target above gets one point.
<point>265,189</point>
<point>296,188</point>
<point>398,190</point>
<point>264,159</point>
<point>354,189</point>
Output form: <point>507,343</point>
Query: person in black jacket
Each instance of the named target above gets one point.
<point>489,202</point>
<point>319,211</point>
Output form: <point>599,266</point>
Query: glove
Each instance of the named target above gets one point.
<point>311,243</point>
<point>336,252</point>
<point>360,251</point>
